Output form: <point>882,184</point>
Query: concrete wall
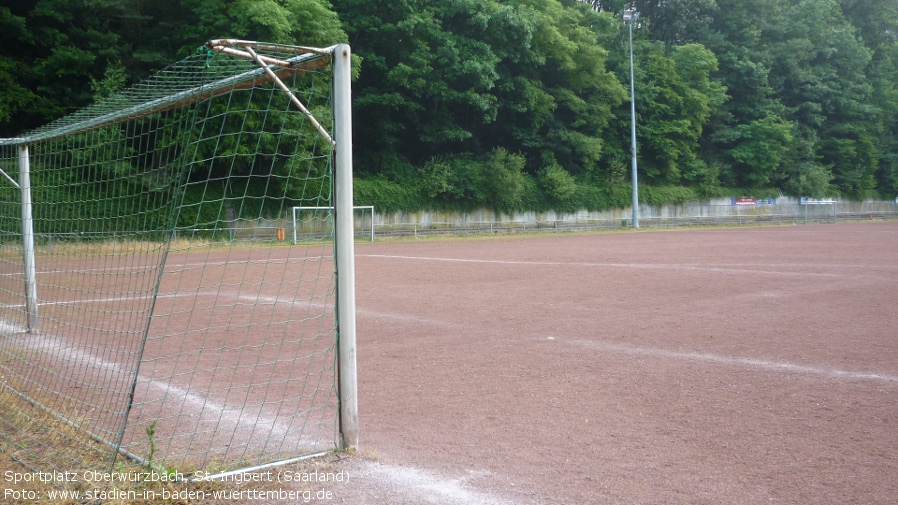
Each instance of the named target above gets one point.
<point>710,209</point>
<point>720,211</point>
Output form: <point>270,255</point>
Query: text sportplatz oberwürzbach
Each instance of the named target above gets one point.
<point>281,476</point>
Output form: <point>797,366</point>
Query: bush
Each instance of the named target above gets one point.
<point>591,197</point>
<point>387,196</point>
<point>504,181</point>
<point>663,195</point>
<point>558,185</point>
<point>455,181</point>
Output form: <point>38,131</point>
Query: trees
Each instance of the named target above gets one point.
<point>676,22</point>
<point>427,77</point>
<point>798,95</point>
<point>13,71</point>
<point>801,98</point>
<point>877,26</point>
<point>675,99</point>
<point>49,49</point>
<point>557,96</point>
<point>54,49</point>
<point>461,78</point>
<point>818,70</point>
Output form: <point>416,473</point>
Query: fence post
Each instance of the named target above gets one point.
<point>28,239</point>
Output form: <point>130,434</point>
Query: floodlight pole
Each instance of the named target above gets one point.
<point>630,17</point>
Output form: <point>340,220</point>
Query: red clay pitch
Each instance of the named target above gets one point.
<point>755,365</point>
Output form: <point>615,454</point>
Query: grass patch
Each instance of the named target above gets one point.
<point>39,465</point>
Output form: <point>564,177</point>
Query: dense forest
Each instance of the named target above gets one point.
<point>525,104</point>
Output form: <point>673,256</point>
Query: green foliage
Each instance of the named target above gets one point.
<point>558,185</point>
<point>558,96</point>
<point>663,195</point>
<point>507,104</point>
<point>114,80</point>
<point>553,189</point>
<point>602,197</point>
<point>427,79</point>
<point>810,179</point>
<point>504,181</point>
<point>151,439</point>
<point>703,177</point>
<point>308,22</point>
<point>15,95</point>
<point>459,77</point>
<point>57,52</point>
<point>388,196</point>
<point>804,112</point>
<point>675,99</point>
<point>454,179</point>
<point>97,206</point>
<point>495,180</point>
<point>757,148</point>
<point>195,213</point>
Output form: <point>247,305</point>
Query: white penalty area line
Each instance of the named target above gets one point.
<point>763,364</point>
<point>648,266</point>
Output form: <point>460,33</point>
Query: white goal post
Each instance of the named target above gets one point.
<point>296,210</point>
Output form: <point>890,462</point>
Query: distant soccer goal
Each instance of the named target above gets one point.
<point>315,222</point>
<point>130,323</point>
<point>818,210</point>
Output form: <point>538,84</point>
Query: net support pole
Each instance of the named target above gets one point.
<point>28,238</point>
<point>345,249</point>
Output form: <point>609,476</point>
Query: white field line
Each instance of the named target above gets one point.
<point>7,328</point>
<point>373,314</point>
<point>172,268</point>
<point>254,422</point>
<point>425,487</point>
<point>756,363</point>
<point>112,299</point>
<point>650,352</point>
<point>762,364</point>
<point>749,363</point>
<point>648,266</point>
<point>204,406</point>
<point>422,485</point>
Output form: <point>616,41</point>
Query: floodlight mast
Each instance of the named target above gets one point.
<point>630,17</point>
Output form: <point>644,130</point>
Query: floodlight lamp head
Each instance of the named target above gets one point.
<point>630,15</point>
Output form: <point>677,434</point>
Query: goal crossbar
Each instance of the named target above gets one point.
<point>96,116</point>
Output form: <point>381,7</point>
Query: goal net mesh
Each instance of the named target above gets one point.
<point>157,335</point>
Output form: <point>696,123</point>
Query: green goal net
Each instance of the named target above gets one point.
<point>137,316</point>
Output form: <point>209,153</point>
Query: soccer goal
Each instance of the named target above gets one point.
<point>818,210</point>
<point>129,323</point>
<point>314,222</point>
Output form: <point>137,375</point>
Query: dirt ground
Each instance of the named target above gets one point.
<point>710,366</point>
<point>740,366</point>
